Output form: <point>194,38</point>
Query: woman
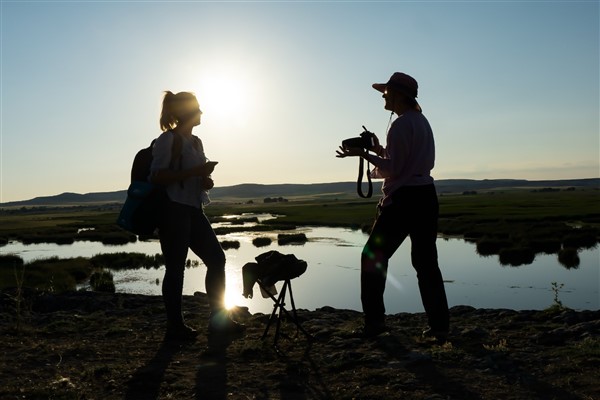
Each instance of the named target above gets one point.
<point>179,164</point>
<point>409,207</point>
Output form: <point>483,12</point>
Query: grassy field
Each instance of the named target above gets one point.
<point>459,214</point>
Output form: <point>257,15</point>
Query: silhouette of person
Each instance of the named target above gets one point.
<point>187,181</point>
<point>408,207</point>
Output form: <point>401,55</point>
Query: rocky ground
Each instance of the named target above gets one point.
<point>89,345</point>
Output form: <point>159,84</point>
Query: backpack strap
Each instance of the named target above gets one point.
<point>177,154</point>
<point>176,151</point>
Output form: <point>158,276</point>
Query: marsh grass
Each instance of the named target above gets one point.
<point>50,274</point>
<point>124,260</point>
<point>57,275</point>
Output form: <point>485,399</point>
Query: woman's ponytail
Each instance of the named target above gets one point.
<point>168,120</point>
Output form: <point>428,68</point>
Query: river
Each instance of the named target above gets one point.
<point>333,274</point>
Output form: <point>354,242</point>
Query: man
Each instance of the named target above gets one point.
<point>408,207</point>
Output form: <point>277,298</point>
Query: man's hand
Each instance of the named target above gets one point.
<point>350,152</point>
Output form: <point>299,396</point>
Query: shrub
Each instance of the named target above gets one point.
<point>568,258</point>
<point>230,244</point>
<point>298,238</point>
<point>488,246</point>
<point>583,239</point>
<point>261,241</point>
<point>516,256</point>
<point>547,245</point>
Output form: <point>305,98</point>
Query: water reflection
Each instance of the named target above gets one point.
<point>333,275</point>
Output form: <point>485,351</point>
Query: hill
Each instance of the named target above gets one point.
<point>257,191</point>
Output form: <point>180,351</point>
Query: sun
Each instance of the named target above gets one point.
<point>225,97</point>
<point>232,298</point>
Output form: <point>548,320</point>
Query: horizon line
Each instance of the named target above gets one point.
<point>316,183</point>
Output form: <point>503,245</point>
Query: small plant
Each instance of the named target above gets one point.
<point>102,281</point>
<point>18,298</point>
<point>556,287</point>
<point>444,351</point>
<point>502,346</point>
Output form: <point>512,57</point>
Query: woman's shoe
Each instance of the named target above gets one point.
<point>370,331</point>
<point>220,322</point>
<point>180,332</point>
<point>440,336</point>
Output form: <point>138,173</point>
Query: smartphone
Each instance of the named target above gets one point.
<point>209,167</point>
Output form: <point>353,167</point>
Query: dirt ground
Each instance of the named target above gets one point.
<point>86,345</point>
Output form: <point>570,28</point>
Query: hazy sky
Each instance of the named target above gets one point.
<point>511,88</point>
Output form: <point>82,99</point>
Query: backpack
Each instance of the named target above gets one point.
<point>144,206</point>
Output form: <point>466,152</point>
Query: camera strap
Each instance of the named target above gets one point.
<point>361,168</point>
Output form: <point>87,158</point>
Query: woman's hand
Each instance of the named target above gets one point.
<point>350,152</point>
<point>203,170</point>
<point>207,183</point>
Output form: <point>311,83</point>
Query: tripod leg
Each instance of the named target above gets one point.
<point>281,306</point>
<point>276,305</point>
<point>295,315</point>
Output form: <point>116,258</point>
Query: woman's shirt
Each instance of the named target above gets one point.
<point>190,190</point>
<point>409,155</point>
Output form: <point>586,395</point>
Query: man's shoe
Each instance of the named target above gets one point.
<point>180,332</point>
<point>370,331</point>
<point>440,336</point>
<point>221,323</point>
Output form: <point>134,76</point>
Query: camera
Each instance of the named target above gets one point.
<point>366,140</point>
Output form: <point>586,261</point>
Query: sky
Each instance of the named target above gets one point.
<point>511,88</point>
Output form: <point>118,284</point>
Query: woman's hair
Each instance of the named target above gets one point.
<point>175,108</point>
